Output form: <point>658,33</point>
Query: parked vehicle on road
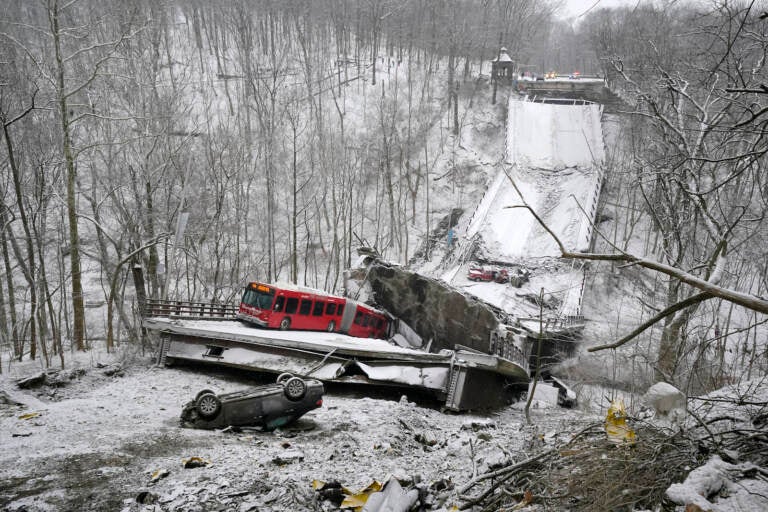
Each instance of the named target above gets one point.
<point>269,406</point>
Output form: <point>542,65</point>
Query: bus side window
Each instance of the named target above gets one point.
<point>291,306</point>
<point>306,307</point>
<point>318,309</point>
<point>279,303</point>
<point>359,318</point>
<point>330,309</point>
<point>340,310</point>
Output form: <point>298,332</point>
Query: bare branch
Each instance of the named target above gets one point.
<point>743,299</point>
<point>690,301</point>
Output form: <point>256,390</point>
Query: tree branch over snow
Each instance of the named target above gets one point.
<point>710,287</point>
<point>690,301</point>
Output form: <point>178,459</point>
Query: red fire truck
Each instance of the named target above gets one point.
<point>287,306</point>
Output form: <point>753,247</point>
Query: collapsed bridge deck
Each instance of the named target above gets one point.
<point>464,379</point>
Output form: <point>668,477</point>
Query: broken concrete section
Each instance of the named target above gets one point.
<point>465,379</point>
<point>435,311</point>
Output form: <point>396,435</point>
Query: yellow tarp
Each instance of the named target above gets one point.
<point>616,427</point>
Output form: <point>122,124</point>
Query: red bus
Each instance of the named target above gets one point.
<point>288,306</point>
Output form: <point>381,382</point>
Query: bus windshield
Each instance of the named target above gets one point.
<point>258,299</point>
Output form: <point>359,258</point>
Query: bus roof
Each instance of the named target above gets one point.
<point>306,289</point>
<point>294,287</point>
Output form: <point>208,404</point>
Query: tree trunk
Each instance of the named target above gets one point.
<point>456,110</point>
<point>78,307</point>
<point>27,264</point>
<point>18,347</point>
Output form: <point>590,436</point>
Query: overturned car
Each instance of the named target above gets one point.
<point>269,406</point>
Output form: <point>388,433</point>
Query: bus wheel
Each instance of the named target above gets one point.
<point>331,326</point>
<point>285,324</point>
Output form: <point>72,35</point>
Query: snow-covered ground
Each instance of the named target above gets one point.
<point>94,443</point>
<point>105,437</point>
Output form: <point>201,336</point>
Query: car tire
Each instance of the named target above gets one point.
<point>295,388</point>
<point>203,392</point>
<point>208,406</point>
<point>331,326</point>
<point>283,377</point>
<point>285,324</point>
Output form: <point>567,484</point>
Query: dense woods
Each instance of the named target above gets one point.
<point>213,143</point>
<point>692,185</point>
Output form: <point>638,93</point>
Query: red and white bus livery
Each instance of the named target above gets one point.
<point>287,306</point>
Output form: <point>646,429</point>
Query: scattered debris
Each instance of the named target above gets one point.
<point>616,427</point>
<point>51,378</point>
<point>195,462</point>
<point>566,397</point>
<point>426,438</point>
<point>34,381</point>
<point>393,498</point>
<point>587,472</point>
<point>549,301</point>
<point>159,474</point>
<point>519,277</point>
<point>146,498</point>
<point>356,500</point>
<point>29,415</point>
<point>288,457</point>
<point>477,425</point>
<point>345,498</point>
<point>113,370</point>
<point>331,491</point>
<point>394,494</point>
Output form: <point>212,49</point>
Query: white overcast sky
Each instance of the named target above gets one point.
<point>573,8</point>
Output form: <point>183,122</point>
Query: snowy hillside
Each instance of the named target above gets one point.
<point>554,154</point>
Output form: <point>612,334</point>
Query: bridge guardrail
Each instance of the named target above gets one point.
<point>189,310</point>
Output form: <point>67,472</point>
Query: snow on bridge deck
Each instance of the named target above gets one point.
<point>554,153</point>
<point>330,356</point>
<point>554,135</point>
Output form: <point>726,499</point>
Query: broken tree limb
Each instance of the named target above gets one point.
<point>693,299</point>
<point>507,470</point>
<point>747,300</point>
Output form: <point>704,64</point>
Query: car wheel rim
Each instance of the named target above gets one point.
<point>295,388</point>
<point>207,405</point>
